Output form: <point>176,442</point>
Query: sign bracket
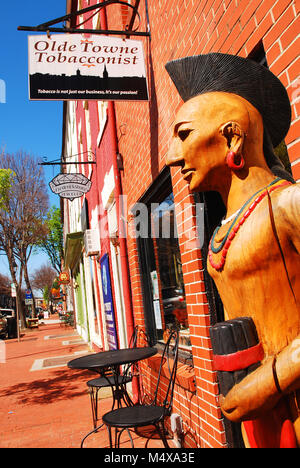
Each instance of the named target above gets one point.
<point>47,27</point>
<point>62,161</point>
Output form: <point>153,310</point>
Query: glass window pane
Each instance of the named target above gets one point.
<point>164,262</point>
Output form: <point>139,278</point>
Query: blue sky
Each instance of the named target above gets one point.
<point>33,126</point>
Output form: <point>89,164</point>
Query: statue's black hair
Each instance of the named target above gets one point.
<point>200,74</point>
<point>273,162</point>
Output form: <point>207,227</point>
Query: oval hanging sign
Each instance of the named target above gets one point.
<point>70,185</point>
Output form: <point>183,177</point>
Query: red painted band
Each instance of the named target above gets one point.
<point>239,360</point>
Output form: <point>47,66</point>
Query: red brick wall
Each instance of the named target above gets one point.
<point>180,28</point>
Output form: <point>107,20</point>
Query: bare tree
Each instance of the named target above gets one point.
<point>5,283</point>
<point>43,277</point>
<point>22,214</point>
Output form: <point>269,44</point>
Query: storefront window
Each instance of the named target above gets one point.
<point>161,269</point>
<point>96,327</point>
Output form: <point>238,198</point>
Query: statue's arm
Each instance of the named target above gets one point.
<point>254,395</point>
<point>261,390</point>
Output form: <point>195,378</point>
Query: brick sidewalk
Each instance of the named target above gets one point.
<point>43,404</point>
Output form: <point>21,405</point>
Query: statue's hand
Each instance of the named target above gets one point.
<point>253,396</point>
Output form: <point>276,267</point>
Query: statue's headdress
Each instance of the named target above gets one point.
<point>202,74</point>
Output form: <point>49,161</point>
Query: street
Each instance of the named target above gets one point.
<point>43,404</point>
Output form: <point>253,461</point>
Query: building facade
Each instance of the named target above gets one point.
<point>152,232</point>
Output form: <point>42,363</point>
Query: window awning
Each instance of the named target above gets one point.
<point>73,249</point>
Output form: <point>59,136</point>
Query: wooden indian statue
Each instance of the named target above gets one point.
<point>235,111</point>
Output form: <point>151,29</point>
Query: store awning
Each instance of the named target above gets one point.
<point>73,249</point>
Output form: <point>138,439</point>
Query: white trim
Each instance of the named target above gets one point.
<point>94,336</point>
<point>107,193</point>
<point>102,114</point>
<point>117,275</point>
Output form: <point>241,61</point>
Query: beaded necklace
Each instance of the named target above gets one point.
<point>232,231</point>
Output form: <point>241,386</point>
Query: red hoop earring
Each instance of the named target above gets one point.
<point>234,161</point>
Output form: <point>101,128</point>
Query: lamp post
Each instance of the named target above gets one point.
<point>15,268</point>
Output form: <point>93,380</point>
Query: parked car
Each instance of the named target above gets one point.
<point>173,301</point>
<point>6,317</point>
<point>172,298</point>
<point>8,312</point>
<point>3,327</point>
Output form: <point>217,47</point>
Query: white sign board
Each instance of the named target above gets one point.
<point>157,315</point>
<point>13,290</point>
<point>75,66</point>
<point>70,185</point>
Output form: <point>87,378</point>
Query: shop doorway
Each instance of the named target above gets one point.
<point>117,273</point>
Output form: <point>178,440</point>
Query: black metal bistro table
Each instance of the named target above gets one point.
<point>108,365</point>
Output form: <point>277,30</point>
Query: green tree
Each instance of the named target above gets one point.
<point>6,182</point>
<point>53,241</point>
<point>46,294</point>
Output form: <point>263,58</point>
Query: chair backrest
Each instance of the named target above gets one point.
<point>143,339</point>
<point>133,339</point>
<point>139,338</point>
<point>169,357</point>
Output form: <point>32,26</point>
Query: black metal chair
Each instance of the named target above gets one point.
<point>139,337</point>
<point>154,413</point>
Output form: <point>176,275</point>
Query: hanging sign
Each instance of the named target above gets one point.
<point>70,185</point>
<point>64,277</point>
<point>108,303</point>
<point>72,67</point>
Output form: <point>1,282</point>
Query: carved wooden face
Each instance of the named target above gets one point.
<point>198,145</point>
